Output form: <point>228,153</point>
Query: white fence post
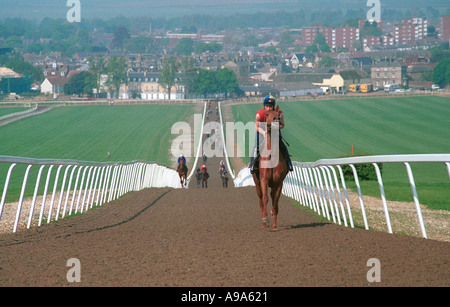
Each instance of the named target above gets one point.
<point>383,197</point>
<point>363,211</point>
<point>5,189</point>
<point>47,181</point>
<point>61,194</point>
<point>19,207</point>
<point>53,194</point>
<point>416,199</point>
<point>30,217</point>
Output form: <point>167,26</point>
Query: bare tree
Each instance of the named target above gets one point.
<point>168,73</point>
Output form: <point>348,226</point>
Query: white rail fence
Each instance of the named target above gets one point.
<point>80,185</point>
<point>321,185</point>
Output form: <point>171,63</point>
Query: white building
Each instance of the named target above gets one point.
<point>53,85</point>
<point>145,85</point>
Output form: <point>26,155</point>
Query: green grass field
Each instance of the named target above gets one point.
<point>314,129</point>
<point>404,125</point>
<point>87,133</point>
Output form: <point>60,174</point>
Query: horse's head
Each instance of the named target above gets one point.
<point>273,117</point>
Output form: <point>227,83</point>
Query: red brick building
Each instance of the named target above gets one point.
<point>410,30</point>
<point>445,28</point>
<point>335,37</point>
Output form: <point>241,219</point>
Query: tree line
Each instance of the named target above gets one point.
<point>199,82</point>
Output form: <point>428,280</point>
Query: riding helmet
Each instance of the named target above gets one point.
<point>269,100</point>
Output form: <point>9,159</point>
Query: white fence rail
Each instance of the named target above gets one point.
<point>81,185</point>
<point>319,186</point>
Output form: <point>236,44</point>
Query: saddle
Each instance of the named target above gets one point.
<point>183,168</point>
<point>254,164</point>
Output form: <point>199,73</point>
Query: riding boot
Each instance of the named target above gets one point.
<point>254,165</point>
<point>286,155</point>
<point>289,162</point>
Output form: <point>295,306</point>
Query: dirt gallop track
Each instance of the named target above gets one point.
<point>213,238</point>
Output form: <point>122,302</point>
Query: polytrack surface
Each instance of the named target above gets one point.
<point>213,238</point>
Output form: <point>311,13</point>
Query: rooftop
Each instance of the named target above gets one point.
<point>6,72</point>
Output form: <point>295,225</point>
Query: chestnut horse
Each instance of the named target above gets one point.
<point>270,175</point>
<point>182,172</point>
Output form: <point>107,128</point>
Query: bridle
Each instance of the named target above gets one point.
<point>275,119</point>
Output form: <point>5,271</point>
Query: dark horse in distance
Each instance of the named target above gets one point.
<point>205,177</point>
<point>182,172</point>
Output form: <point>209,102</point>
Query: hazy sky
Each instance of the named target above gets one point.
<point>38,9</point>
<point>154,8</point>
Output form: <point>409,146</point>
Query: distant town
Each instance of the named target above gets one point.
<point>60,60</point>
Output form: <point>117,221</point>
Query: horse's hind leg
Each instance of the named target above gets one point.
<point>259,192</point>
<point>263,201</point>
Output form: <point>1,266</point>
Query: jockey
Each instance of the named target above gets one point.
<point>181,158</point>
<point>221,165</point>
<point>269,105</point>
<point>203,168</point>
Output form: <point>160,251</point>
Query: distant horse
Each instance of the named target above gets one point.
<point>182,172</point>
<point>198,176</point>
<point>205,177</point>
<point>270,176</point>
<point>224,176</point>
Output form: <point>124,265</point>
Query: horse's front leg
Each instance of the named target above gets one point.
<point>276,193</point>
<point>263,200</point>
